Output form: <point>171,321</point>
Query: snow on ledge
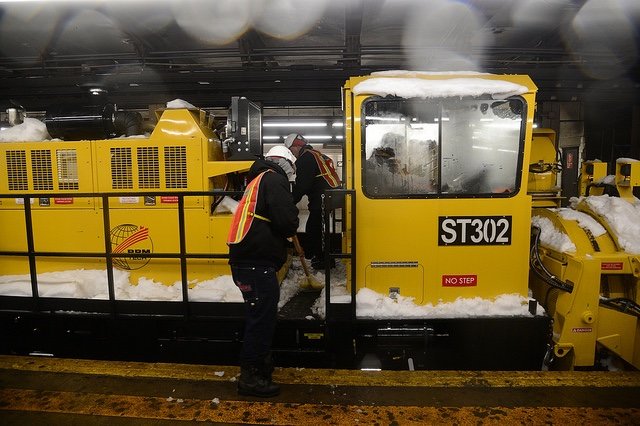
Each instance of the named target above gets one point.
<point>375,305</point>
<point>407,73</point>
<point>422,88</point>
<point>180,104</point>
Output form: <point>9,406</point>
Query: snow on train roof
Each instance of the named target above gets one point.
<point>414,87</point>
<point>34,130</point>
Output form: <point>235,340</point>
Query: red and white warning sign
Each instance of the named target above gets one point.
<point>66,200</point>
<point>459,280</point>
<point>169,199</point>
<point>611,266</point>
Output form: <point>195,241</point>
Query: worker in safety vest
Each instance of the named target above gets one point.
<point>315,173</point>
<point>266,216</point>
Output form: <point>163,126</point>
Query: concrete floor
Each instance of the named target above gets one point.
<point>50,391</point>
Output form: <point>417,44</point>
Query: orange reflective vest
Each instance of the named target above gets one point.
<point>327,171</point>
<point>246,211</point>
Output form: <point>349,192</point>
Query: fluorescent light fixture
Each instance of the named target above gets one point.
<point>294,124</point>
<point>318,137</point>
<point>394,119</point>
<point>443,119</point>
<point>337,124</point>
<point>204,83</point>
<point>133,85</point>
<point>340,137</point>
<point>270,138</point>
<point>486,148</point>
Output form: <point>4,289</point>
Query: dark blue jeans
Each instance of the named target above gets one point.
<point>261,293</point>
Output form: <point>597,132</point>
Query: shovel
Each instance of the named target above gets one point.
<point>309,282</point>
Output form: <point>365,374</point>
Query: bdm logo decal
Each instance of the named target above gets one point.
<point>130,239</point>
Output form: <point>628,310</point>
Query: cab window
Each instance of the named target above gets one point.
<point>444,147</point>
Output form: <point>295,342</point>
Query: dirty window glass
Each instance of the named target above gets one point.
<point>441,147</point>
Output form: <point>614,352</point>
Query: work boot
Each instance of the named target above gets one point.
<point>254,382</point>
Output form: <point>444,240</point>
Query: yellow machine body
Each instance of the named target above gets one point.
<point>398,239</point>
<point>599,270</point>
<point>442,188</point>
<point>182,154</point>
<point>543,169</point>
<point>592,173</point>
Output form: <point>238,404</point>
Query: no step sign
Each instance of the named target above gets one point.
<point>459,280</point>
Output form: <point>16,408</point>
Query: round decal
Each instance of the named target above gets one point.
<point>131,239</point>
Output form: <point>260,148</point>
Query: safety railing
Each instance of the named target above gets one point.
<point>115,306</point>
<point>337,199</point>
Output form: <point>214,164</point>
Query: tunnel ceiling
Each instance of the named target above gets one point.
<point>300,52</point>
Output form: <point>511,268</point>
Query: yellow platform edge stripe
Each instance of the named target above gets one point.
<point>328,376</point>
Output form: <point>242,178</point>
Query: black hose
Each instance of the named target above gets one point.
<point>620,304</point>
<point>538,267</point>
<point>626,306</point>
<point>128,123</point>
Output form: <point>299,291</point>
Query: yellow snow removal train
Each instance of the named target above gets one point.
<point>442,175</point>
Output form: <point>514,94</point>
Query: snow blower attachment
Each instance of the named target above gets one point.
<point>309,282</point>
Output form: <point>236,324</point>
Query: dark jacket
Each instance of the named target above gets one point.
<point>265,243</point>
<point>308,181</point>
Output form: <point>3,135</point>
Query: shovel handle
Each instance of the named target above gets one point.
<point>296,245</point>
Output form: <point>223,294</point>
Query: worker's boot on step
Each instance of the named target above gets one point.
<point>255,382</point>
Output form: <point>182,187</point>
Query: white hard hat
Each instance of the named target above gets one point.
<point>296,138</point>
<point>281,151</point>
<point>283,158</point>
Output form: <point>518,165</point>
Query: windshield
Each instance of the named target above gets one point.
<point>441,147</point>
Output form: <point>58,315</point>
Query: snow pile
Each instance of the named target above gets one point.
<point>92,284</point>
<point>622,217</point>
<point>552,237</point>
<point>374,305</point>
<point>370,304</point>
<point>29,130</point>
<point>407,73</point>
<point>421,88</point>
<point>584,220</point>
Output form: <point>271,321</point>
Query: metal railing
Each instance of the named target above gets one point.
<point>335,199</point>
<point>114,306</point>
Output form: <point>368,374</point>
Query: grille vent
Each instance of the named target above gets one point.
<point>67,160</point>
<point>41,169</point>
<point>175,164</point>
<point>121,175</point>
<point>17,170</point>
<point>148,167</point>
